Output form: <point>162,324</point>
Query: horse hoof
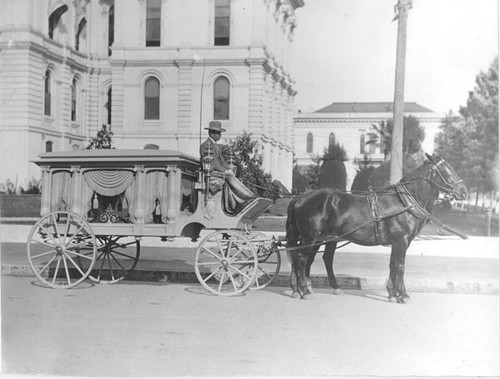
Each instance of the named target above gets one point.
<point>393,299</point>
<point>295,295</point>
<point>308,296</point>
<point>338,292</point>
<point>404,300</point>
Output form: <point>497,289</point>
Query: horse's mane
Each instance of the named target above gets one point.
<point>414,174</point>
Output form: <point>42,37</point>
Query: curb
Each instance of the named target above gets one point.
<point>464,286</point>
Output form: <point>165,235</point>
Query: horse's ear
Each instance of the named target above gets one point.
<point>430,158</point>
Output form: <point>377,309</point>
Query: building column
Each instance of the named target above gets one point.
<point>185,68</point>
<point>256,94</point>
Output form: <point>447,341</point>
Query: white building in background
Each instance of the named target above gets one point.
<point>156,71</point>
<point>350,125</point>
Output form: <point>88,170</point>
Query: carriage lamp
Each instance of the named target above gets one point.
<point>231,161</point>
<point>207,162</point>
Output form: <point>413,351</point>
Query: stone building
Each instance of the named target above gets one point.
<point>350,125</point>
<point>155,71</point>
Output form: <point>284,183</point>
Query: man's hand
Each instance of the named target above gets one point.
<point>229,173</point>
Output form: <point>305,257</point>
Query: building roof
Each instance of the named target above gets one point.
<point>379,107</point>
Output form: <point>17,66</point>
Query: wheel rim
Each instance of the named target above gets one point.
<point>53,249</point>
<point>269,261</point>
<point>226,263</point>
<point>114,260</point>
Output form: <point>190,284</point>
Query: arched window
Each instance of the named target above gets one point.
<point>221,98</point>
<point>48,146</point>
<point>152,99</point>
<point>111,28</point>
<point>47,94</point>
<point>81,35</point>
<point>222,22</point>
<point>107,107</point>
<point>309,143</point>
<point>331,139</point>
<point>153,22</point>
<point>74,95</point>
<point>151,146</point>
<point>55,18</point>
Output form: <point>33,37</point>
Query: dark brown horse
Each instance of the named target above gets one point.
<point>392,216</point>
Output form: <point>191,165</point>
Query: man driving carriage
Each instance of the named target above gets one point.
<point>234,193</point>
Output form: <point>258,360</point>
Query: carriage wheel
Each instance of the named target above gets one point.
<point>114,260</point>
<point>54,245</point>
<point>226,263</point>
<point>269,260</point>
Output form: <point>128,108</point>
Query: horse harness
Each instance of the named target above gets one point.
<point>410,205</point>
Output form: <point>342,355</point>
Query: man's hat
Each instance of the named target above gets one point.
<point>216,126</point>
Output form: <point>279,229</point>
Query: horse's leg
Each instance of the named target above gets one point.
<point>310,259</point>
<point>328,256</point>
<point>395,284</point>
<point>302,263</point>
<point>294,261</point>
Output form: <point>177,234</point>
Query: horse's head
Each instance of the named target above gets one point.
<point>445,178</point>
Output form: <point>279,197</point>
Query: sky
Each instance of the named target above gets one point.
<point>345,51</point>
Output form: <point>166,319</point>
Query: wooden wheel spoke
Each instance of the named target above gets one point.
<point>43,254</point>
<point>49,235</point>
<point>123,254</point>
<point>239,250</point>
<point>75,234</point>
<point>56,228</point>
<point>208,263</point>
<point>241,272</point>
<point>212,253</point>
<point>74,264</point>
<point>243,262</point>
<point>110,267</point>
<point>232,280</point>
<point>47,264</point>
<point>57,270</point>
<point>66,269</point>
<point>118,262</point>
<point>221,280</point>
<point>79,254</point>
<point>210,276</point>
<point>66,232</point>
<point>80,244</point>
<point>43,243</point>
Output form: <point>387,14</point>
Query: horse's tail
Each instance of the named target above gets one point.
<point>292,233</point>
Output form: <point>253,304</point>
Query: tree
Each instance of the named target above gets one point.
<point>413,135</point>
<point>248,161</point>
<point>102,140</point>
<point>332,173</point>
<point>469,141</point>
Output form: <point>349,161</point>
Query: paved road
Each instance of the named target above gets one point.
<point>145,329</point>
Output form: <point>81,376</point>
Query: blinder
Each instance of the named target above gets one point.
<point>447,187</point>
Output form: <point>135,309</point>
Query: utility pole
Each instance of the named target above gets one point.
<point>402,8</point>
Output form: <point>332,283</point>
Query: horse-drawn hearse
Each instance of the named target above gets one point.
<point>98,204</point>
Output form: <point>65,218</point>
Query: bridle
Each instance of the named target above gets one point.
<point>449,187</point>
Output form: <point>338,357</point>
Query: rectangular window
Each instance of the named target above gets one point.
<point>153,22</point>
<point>221,31</point>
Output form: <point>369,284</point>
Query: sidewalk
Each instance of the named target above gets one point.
<point>433,263</point>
